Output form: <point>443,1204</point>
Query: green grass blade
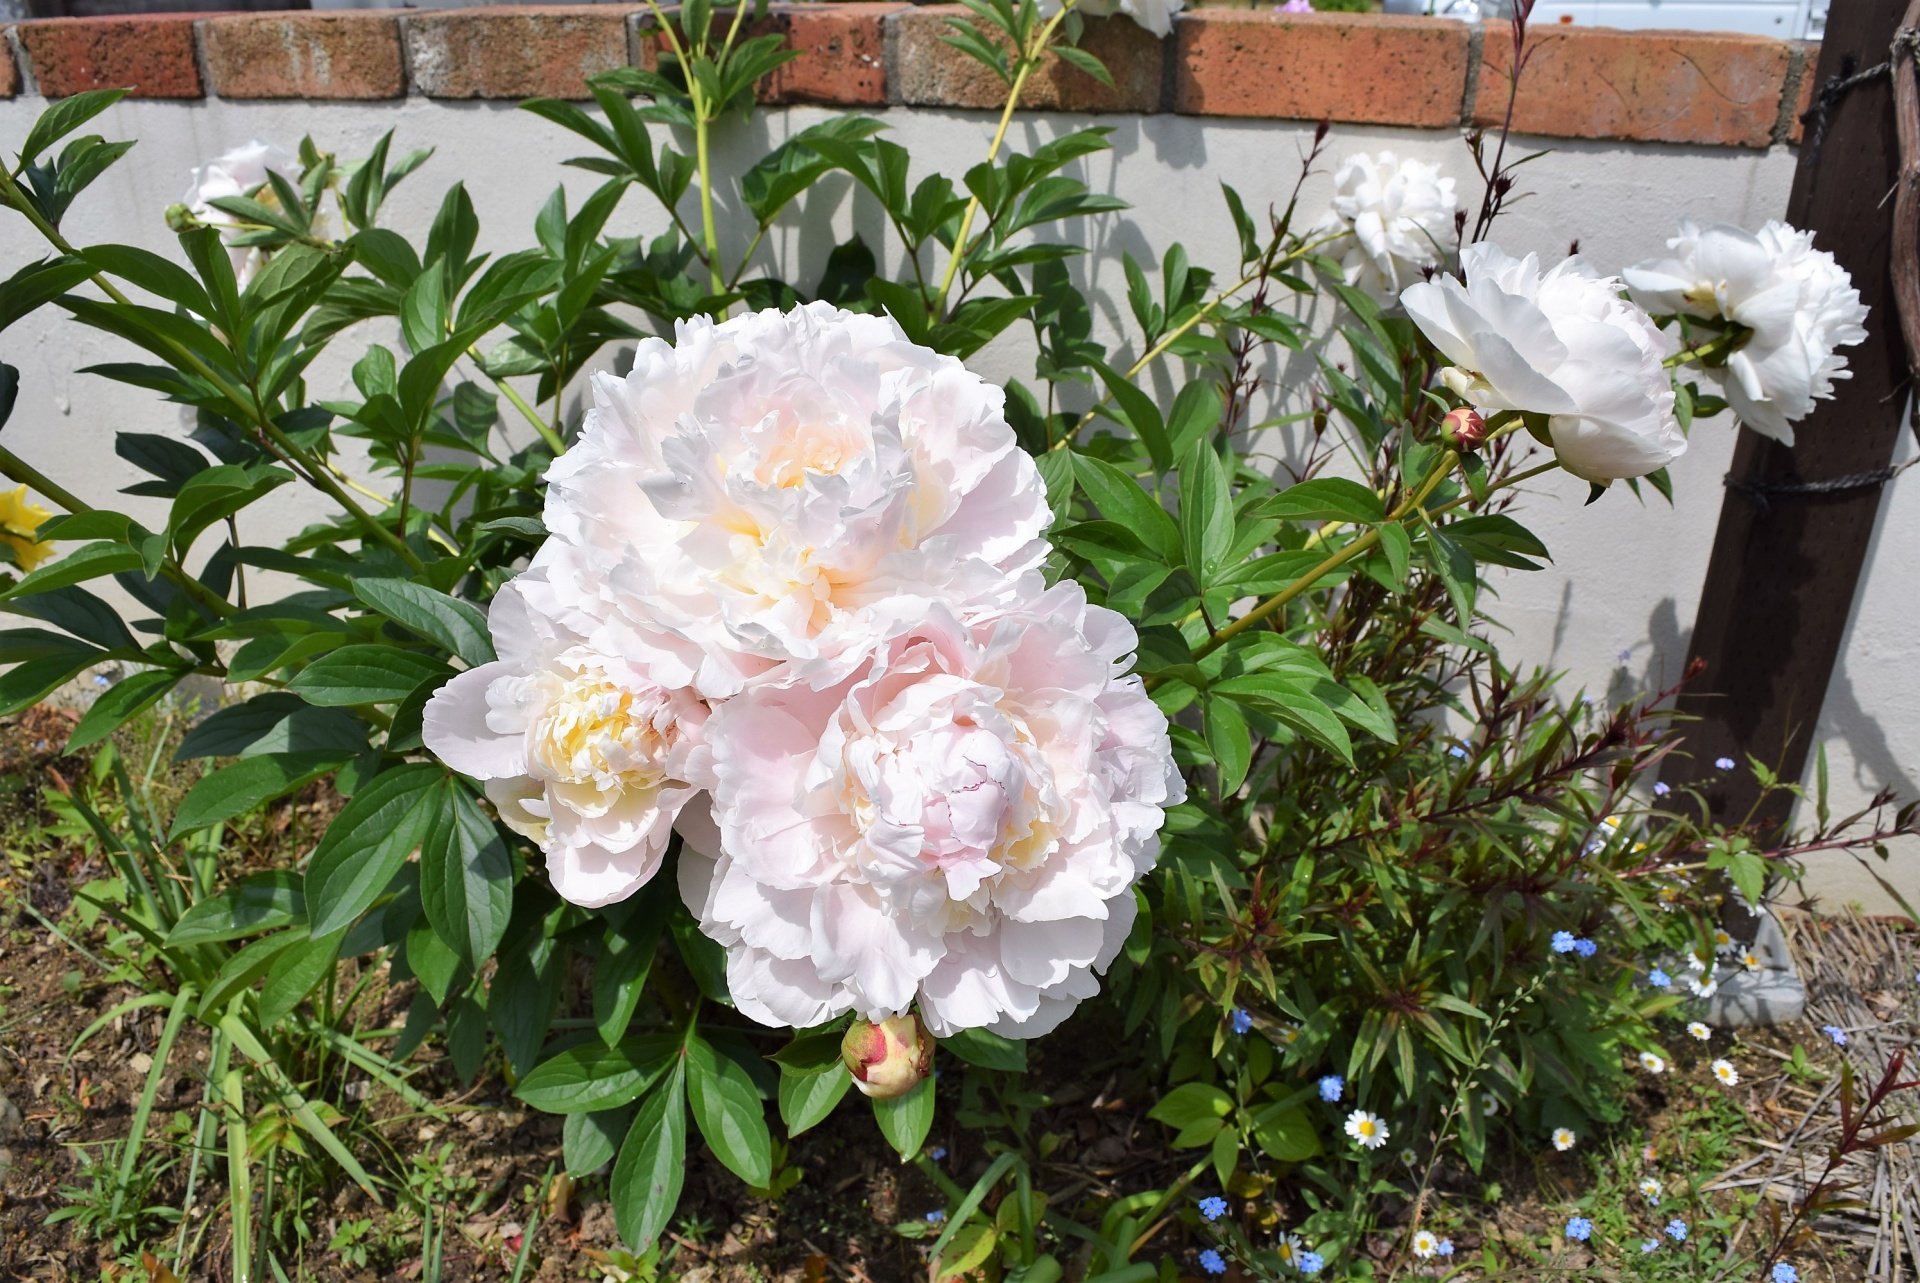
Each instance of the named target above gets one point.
<point>297,1105</point>
<point>143,1109</point>
<point>131,1004</point>
<point>381,1069</point>
<point>239,1175</point>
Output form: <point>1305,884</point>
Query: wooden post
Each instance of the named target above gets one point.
<point>1780,585</point>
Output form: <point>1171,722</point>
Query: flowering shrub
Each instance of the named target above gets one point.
<point>809,680</point>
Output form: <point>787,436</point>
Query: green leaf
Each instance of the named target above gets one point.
<point>906,1120</point>
<point>1136,410</point>
<point>247,965</point>
<point>593,1076</point>
<point>1196,1112</point>
<point>1326,499</point>
<point>645,1187</point>
<point>1286,1134</point>
<point>460,626</point>
<point>64,116</point>
<point>589,1141</point>
<point>367,842</point>
<point>262,902</point>
<point>808,1097</point>
<point>431,959</point>
<point>366,674</point>
<point>988,1050</point>
<point>1121,499</point>
<point>215,495</point>
<point>1196,413</point>
<point>120,702</point>
<point>728,1111</point>
<point>234,790</point>
<point>466,876</point>
<point>276,722</point>
<point>626,958</point>
<point>1206,512</point>
<point>89,562</point>
<point>295,974</point>
<point>80,613</point>
<point>1229,740</point>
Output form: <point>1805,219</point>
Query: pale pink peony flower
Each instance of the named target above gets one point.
<point>959,822</point>
<point>769,497</point>
<point>580,751</point>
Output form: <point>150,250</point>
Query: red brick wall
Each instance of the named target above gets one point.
<point>1655,86</point>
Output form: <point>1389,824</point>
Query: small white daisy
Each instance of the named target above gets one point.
<point>1750,960</point>
<point>1409,1158</point>
<point>1563,1139</point>
<point>1288,1249</point>
<point>1726,1073</point>
<point>1722,941</point>
<point>1651,1189</point>
<point>1370,1130</point>
<point>1489,1104</point>
<point>1652,1064</point>
<point>1425,1244</point>
<point>1703,988</point>
<point>1699,1030</point>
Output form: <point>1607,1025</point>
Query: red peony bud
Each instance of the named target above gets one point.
<point>888,1059</point>
<point>1464,427</point>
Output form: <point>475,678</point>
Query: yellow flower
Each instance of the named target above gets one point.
<point>18,520</point>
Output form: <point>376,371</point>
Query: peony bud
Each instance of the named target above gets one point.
<point>1464,428</point>
<point>181,219</point>
<point>888,1059</point>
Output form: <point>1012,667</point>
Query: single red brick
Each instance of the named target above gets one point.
<point>926,71</point>
<point>843,53</point>
<point>514,51</point>
<point>352,54</point>
<point>1657,86</point>
<point>153,55</point>
<point>1364,68</point>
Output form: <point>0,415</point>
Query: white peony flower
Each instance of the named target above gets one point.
<point>1391,216</point>
<point>239,172</point>
<point>1799,304</point>
<point>579,750</point>
<point>960,822</point>
<point>772,496</point>
<point>1563,344</point>
<point>1154,15</point>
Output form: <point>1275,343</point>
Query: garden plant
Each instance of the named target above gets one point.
<point>794,711</point>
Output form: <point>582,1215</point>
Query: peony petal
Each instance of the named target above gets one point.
<point>454,727</point>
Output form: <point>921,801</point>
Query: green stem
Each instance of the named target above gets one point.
<point>700,124</point>
<point>1029,62</point>
<point>1366,541</point>
<point>1724,345</point>
<point>519,403</point>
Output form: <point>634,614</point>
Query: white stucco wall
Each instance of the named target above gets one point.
<point>1625,578</point>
